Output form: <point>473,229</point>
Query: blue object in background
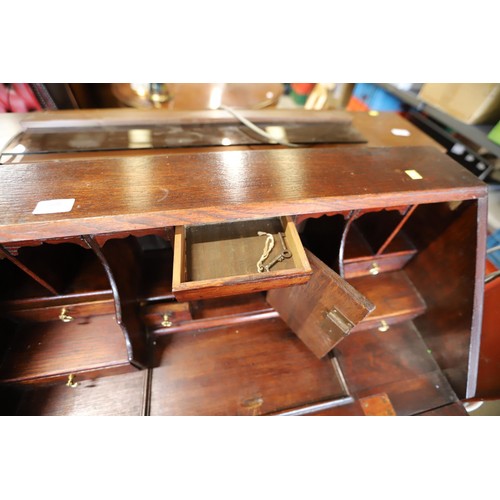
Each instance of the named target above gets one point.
<point>376,98</point>
<point>493,240</point>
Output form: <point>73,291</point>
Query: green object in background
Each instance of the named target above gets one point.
<point>494,134</point>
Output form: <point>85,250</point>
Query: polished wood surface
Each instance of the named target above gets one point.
<point>448,239</point>
<point>52,351</point>
<point>239,357</point>
<point>377,129</point>
<point>250,369</point>
<point>116,395</point>
<point>323,311</point>
<point>396,363</point>
<point>136,193</point>
<point>217,260</point>
<point>395,298</point>
<point>451,410</point>
<point>51,313</point>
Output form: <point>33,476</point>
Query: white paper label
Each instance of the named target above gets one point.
<point>413,174</point>
<point>400,132</point>
<point>54,206</point>
<point>458,149</point>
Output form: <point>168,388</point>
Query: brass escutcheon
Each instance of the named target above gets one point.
<point>374,269</point>
<point>65,318</point>
<point>166,321</point>
<point>383,326</point>
<point>70,382</point>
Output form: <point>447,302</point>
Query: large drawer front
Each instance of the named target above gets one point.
<point>218,260</point>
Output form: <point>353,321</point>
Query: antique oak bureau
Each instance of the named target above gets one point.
<point>145,297</point>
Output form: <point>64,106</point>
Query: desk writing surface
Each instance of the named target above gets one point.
<point>132,193</point>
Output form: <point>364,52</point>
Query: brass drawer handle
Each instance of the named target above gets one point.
<point>65,318</point>
<point>71,381</point>
<point>166,321</point>
<point>384,327</point>
<point>374,269</point>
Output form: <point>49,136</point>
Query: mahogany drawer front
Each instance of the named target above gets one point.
<point>47,352</point>
<point>166,315</point>
<point>395,297</point>
<point>219,260</point>
<point>65,313</point>
<point>73,379</point>
<point>372,265</point>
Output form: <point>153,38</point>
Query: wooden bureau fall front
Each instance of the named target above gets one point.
<point>151,295</point>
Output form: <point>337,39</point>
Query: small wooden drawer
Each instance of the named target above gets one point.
<point>395,297</point>
<point>166,315</point>
<point>218,260</point>
<point>64,313</point>
<point>49,352</point>
<point>374,265</point>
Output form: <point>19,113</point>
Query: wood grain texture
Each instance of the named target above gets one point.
<point>51,313</point>
<point>452,410</point>
<point>377,130</point>
<point>397,363</point>
<point>373,359</point>
<point>208,314</point>
<point>135,193</point>
<point>116,395</point>
<point>395,298</point>
<point>384,263</point>
<point>177,313</point>
<point>51,351</point>
<point>253,369</point>
<point>217,260</point>
<point>305,308</point>
<point>448,271</point>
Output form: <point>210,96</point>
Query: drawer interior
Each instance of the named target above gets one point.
<point>223,259</point>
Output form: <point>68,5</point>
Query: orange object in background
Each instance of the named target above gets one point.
<point>356,104</point>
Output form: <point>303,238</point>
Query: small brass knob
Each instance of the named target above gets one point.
<point>65,318</point>
<point>71,382</point>
<point>383,326</point>
<point>166,321</point>
<point>374,269</point>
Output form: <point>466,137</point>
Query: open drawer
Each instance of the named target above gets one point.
<point>218,260</point>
